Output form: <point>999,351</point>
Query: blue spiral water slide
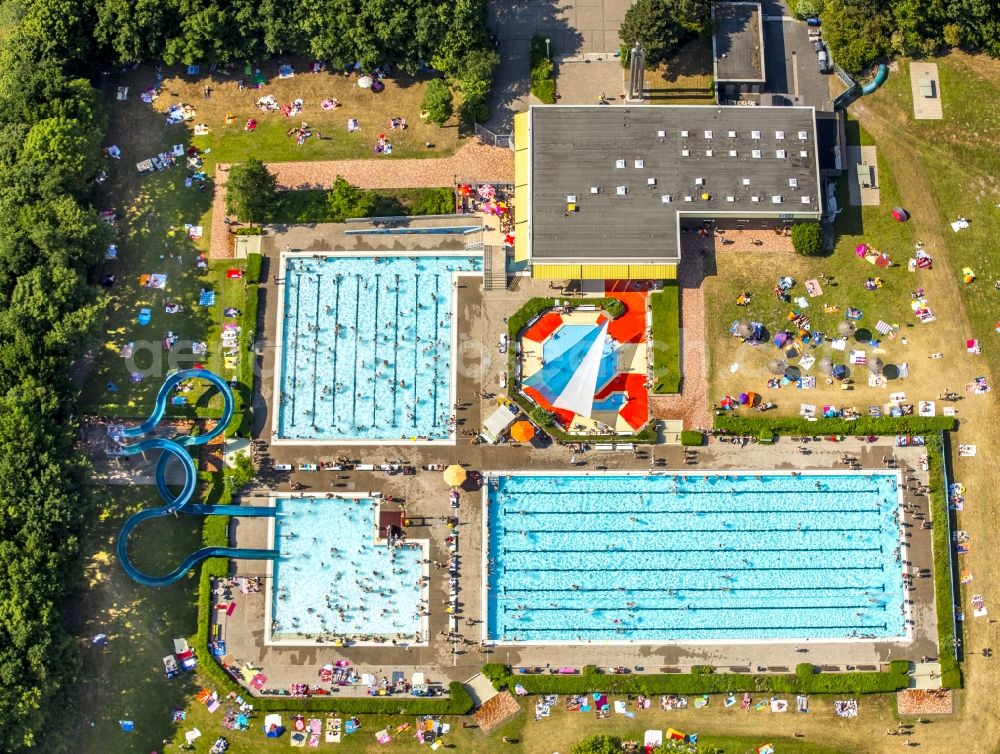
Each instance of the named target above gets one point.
<point>179,503</point>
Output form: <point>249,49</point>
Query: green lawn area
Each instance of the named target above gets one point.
<point>665,307</point>
<point>309,205</point>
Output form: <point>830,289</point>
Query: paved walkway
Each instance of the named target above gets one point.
<point>473,161</point>
<point>926,108</point>
<point>862,197</point>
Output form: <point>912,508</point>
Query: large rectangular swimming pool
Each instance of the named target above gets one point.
<point>366,347</point>
<point>694,557</point>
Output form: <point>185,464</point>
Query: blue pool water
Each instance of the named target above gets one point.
<point>359,589</point>
<point>366,348</point>
<point>564,350</point>
<point>690,557</point>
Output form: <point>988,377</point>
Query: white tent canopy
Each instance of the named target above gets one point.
<point>578,395</point>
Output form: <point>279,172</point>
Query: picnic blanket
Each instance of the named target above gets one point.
<point>813,288</point>
<point>857,357</point>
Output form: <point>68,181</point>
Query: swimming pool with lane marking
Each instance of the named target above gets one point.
<point>694,557</point>
<point>366,347</point>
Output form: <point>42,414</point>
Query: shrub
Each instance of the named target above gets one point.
<point>435,201</point>
<point>543,83</point>
<point>541,417</point>
<point>807,238</point>
<point>345,200</point>
<point>692,438</point>
<point>807,8</point>
<point>614,307</point>
<point>598,744</point>
<point>248,230</point>
<point>437,101</point>
<point>704,680</point>
<point>766,436</point>
<point>255,263</point>
<point>944,575</point>
<point>865,425</point>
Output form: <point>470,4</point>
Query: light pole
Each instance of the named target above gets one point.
<point>547,53</point>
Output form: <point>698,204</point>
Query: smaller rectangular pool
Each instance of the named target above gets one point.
<point>335,582</point>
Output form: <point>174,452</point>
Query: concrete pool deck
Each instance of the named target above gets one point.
<point>443,659</point>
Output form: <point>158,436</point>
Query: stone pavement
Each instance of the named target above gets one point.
<point>472,161</point>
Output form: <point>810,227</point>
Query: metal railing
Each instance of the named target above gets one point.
<point>497,140</point>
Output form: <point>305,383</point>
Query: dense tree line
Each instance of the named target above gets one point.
<point>860,32</point>
<point>51,126</point>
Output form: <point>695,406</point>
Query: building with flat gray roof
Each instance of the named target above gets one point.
<point>737,49</point>
<point>606,191</point>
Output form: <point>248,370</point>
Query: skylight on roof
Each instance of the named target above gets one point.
<point>708,134</point>
<point>619,163</point>
<point>640,164</point>
<point>755,154</point>
<point>804,153</point>
<point>699,181</point>
<point>709,153</point>
<point>803,135</point>
<point>650,181</point>
<point>793,182</point>
<point>732,134</point>
<point>732,152</point>
<point>622,190</point>
<point>779,135</point>
<point>595,190</point>
<point>571,198</point>
<point>661,134</point>
<point>730,198</point>
<point>685,153</point>
<point>780,154</point>
<point>687,198</point>
<point>746,181</point>
<point>666,198</point>
<point>684,134</point>
<point>806,200</point>
<point>775,199</point>
<point>755,134</point>
<point>754,198</point>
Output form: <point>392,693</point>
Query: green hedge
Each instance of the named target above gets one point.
<point>543,82</point>
<point>666,316</point>
<point>944,575</point>
<point>866,425</point>
<point>805,680</point>
<point>692,438</point>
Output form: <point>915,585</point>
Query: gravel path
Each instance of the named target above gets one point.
<point>474,161</point>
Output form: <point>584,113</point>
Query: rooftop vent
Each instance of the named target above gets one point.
<point>699,181</point>
<point>666,198</point>
<point>619,163</point>
<point>650,181</point>
<point>621,190</point>
<point>775,199</point>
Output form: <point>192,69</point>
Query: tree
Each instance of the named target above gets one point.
<point>345,200</point>
<point>857,31</point>
<point>807,238</point>
<point>598,744</point>
<point>656,25</point>
<point>65,150</point>
<point>250,190</point>
<point>437,101</point>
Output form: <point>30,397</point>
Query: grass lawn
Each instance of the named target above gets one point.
<point>686,79</point>
<point>665,307</point>
<point>150,206</point>
<point>309,206</point>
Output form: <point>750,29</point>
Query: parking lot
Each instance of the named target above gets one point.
<point>790,61</point>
